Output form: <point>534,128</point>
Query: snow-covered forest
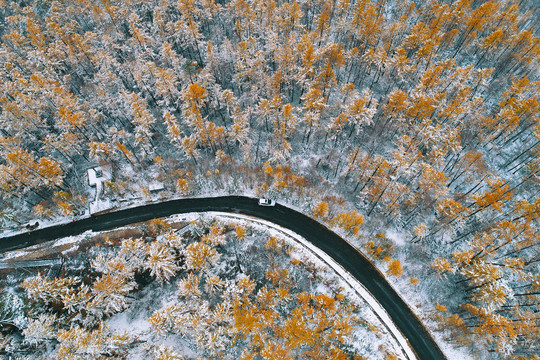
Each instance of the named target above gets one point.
<point>207,289</point>
<point>416,118</point>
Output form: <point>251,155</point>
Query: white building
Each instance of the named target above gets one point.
<point>96,177</point>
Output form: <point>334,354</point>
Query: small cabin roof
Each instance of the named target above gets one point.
<point>98,174</point>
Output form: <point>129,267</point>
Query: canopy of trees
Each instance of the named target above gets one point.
<point>424,114</point>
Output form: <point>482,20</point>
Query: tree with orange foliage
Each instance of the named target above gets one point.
<point>321,209</point>
<point>394,268</point>
<point>350,222</point>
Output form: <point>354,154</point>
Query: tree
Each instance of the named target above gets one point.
<point>500,192</point>
<point>240,232</point>
<point>161,261</point>
<point>78,342</point>
<point>40,330</point>
<point>142,120</point>
<point>162,352</point>
<point>321,209</point>
<point>100,151</point>
<point>394,268</point>
<point>361,110</point>
<point>442,266</point>
<point>174,132</point>
<point>29,175</point>
<point>48,290</point>
<point>110,292</point>
<point>313,104</point>
<point>350,222</point>
<point>200,255</point>
<point>215,236</point>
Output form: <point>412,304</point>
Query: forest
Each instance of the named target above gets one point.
<point>419,118</point>
<point>207,289</point>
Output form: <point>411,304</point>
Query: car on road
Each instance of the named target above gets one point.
<point>266,202</point>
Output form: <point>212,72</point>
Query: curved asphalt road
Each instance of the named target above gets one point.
<point>348,257</point>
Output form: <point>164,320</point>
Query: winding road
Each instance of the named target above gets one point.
<point>329,242</point>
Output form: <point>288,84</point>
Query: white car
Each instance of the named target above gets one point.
<point>266,202</point>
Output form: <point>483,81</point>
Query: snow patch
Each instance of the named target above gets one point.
<point>397,238</point>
